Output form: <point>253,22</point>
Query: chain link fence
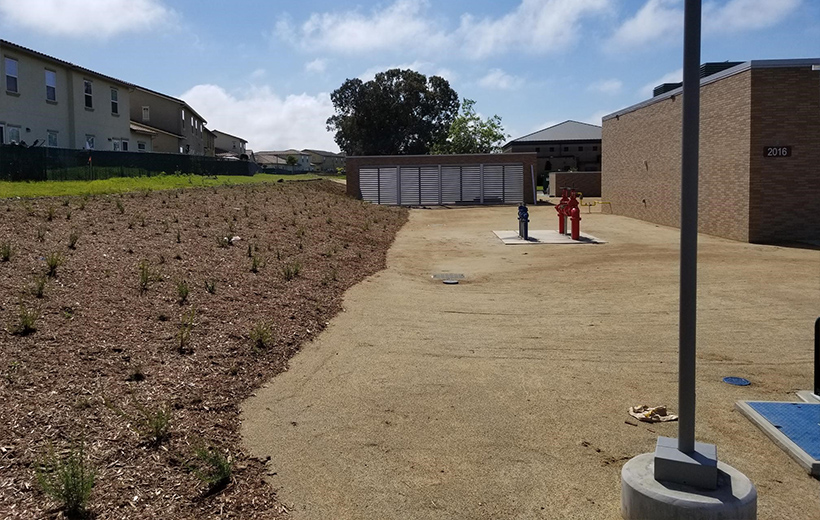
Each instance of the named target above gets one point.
<point>18,163</point>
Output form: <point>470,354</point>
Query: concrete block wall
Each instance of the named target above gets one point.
<point>588,183</point>
<point>353,164</point>
<point>786,109</point>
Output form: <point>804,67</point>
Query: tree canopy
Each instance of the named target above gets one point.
<point>399,112</point>
<point>469,134</point>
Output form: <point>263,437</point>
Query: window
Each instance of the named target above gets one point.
<point>180,150</point>
<point>192,122</point>
<point>537,149</point>
<point>141,146</point>
<point>183,124</point>
<point>2,134</point>
<point>552,148</point>
<point>580,148</point>
<point>89,100</point>
<point>146,113</point>
<point>125,145</point>
<point>115,104</point>
<point>594,148</point>
<point>11,75</point>
<point>13,133</point>
<point>115,145</point>
<point>52,139</point>
<point>566,148</point>
<point>51,85</point>
<point>89,142</point>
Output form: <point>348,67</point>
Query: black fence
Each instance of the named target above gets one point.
<point>18,163</point>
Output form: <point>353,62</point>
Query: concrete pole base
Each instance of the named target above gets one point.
<point>644,497</point>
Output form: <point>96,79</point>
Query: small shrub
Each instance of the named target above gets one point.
<point>256,263</point>
<point>291,270</point>
<point>120,207</point>
<point>53,261</point>
<point>27,320</point>
<point>223,241</point>
<point>39,286</point>
<point>137,374</point>
<point>179,237</point>
<point>69,480</point>
<point>182,291</point>
<point>72,239</point>
<point>50,213</point>
<point>5,251</point>
<point>153,425</point>
<point>81,206</point>
<point>184,334</point>
<point>41,233</point>
<point>146,276</point>
<point>210,286</point>
<point>213,468</point>
<point>261,336</point>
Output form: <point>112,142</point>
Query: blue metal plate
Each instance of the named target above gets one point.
<point>800,422</point>
<point>737,381</point>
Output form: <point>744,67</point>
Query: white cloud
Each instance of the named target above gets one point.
<point>425,67</point>
<point>657,20</point>
<point>745,15</point>
<point>676,76</point>
<point>318,66</point>
<point>258,73</point>
<point>607,86</point>
<point>661,21</point>
<point>537,26</point>
<point>497,79</point>
<point>95,18</point>
<point>267,120</point>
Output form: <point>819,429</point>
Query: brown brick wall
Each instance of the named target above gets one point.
<point>588,183</point>
<point>641,160</point>
<point>353,164</point>
<point>786,112</point>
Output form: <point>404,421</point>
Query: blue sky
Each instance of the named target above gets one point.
<point>264,70</point>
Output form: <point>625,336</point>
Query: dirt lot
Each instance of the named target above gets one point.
<point>506,396</point>
<point>116,341</point>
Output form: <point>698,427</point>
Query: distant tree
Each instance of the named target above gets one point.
<point>399,112</point>
<point>291,161</point>
<point>469,134</point>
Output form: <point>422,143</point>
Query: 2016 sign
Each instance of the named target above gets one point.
<point>777,151</point>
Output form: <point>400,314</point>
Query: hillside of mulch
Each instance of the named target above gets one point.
<point>116,342</point>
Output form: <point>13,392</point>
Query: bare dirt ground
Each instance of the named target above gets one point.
<point>506,396</point>
<point>109,348</point>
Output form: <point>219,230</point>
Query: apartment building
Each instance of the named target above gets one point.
<point>178,127</point>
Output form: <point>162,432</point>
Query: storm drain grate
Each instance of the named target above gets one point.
<point>448,276</point>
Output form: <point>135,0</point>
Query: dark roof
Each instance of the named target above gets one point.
<point>228,135</point>
<point>68,64</point>
<point>322,153</point>
<point>566,131</point>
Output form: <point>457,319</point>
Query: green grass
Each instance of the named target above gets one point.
<point>25,189</point>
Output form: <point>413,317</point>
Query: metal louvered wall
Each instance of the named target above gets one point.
<point>434,185</point>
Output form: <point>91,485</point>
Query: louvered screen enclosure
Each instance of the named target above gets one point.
<point>432,185</point>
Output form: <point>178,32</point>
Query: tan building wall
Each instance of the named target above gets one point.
<point>786,112</point>
<point>171,115</point>
<point>66,116</point>
<point>740,114</point>
<point>352,165</point>
<point>588,183</point>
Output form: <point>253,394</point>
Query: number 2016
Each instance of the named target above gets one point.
<point>777,151</point>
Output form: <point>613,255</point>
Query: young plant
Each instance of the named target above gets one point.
<point>50,213</point>
<point>41,233</point>
<point>261,336</point>
<point>213,468</point>
<point>256,263</point>
<point>5,251</point>
<point>184,334</point>
<point>53,261</point>
<point>39,286</point>
<point>291,270</point>
<point>179,237</point>
<point>153,425</point>
<point>182,291</point>
<point>72,239</point>
<point>27,319</point>
<point>210,286</point>
<point>67,480</point>
<point>120,207</point>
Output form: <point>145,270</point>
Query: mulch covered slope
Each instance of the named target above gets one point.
<point>111,348</point>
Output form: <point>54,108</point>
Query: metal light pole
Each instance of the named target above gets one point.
<point>689,225</point>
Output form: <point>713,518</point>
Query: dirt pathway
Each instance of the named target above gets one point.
<point>505,396</point>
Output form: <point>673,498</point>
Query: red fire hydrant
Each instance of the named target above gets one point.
<point>562,213</point>
<point>575,216</point>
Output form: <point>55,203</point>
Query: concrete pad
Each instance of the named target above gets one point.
<point>544,237</point>
<point>794,428</point>
<point>808,396</point>
<point>643,497</point>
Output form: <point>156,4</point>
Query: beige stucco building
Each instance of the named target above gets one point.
<point>759,166</point>
<point>56,103</point>
<point>179,128</point>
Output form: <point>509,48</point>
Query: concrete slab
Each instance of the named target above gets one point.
<point>808,396</point>
<point>544,237</point>
<point>792,426</point>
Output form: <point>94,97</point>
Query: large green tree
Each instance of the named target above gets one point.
<point>470,134</point>
<point>399,112</point>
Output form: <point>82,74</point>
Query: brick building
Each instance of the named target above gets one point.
<point>759,154</point>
